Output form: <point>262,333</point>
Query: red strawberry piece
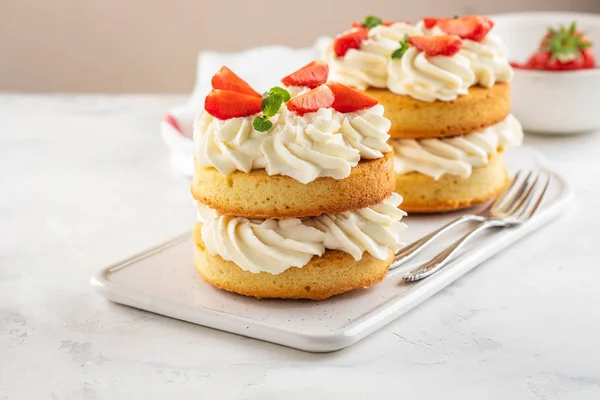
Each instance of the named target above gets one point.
<point>538,60</point>
<point>568,49</point>
<point>348,99</point>
<point>489,21</point>
<point>471,27</point>
<point>384,23</point>
<point>226,79</point>
<point>437,45</point>
<point>350,40</point>
<point>223,104</point>
<point>312,75</point>
<point>390,23</point>
<point>320,97</point>
<point>517,65</point>
<point>589,60</point>
<point>430,22</point>
<point>169,119</point>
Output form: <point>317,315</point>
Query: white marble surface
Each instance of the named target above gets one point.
<point>85,181</point>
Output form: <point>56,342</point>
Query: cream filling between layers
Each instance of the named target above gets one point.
<point>274,245</point>
<point>325,143</point>
<point>456,155</point>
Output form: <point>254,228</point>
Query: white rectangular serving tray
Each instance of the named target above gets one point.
<point>163,281</point>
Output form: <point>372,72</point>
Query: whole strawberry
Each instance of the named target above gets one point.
<point>565,49</point>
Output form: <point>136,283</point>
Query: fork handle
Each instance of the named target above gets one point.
<point>408,252</point>
<point>442,259</point>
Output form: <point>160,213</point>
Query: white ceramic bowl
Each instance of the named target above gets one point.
<point>551,102</point>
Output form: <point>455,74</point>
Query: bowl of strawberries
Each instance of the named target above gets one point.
<point>556,86</point>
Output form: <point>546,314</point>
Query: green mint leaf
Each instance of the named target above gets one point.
<point>404,45</point>
<point>262,124</point>
<point>271,103</point>
<point>397,54</point>
<point>372,22</point>
<point>285,95</point>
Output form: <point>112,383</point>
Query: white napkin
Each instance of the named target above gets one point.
<point>261,67</point>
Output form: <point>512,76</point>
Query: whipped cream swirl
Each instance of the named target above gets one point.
<point>489,60</point>
<point>456,155</point>
<point>272,246</point>
<point>325,143</point>
<point>367,66</point>
<point>308,147</point>
<point>429,78</point>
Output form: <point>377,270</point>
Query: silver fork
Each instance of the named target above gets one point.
<point>514,207</point>
<point>493,210</point>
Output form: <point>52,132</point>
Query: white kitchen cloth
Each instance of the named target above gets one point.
<point>261,67</point>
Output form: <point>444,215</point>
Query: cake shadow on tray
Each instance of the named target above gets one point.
<point>299,189</point>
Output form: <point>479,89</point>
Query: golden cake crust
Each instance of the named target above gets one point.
<point>415,119</point>
<point>333,273</point>
<point>258,195</point>
<point>423,194</point>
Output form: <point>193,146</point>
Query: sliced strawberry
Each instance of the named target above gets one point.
<point>390,23</point>
<point>223,104</point>
<point>471,27</point>
<point>320,97</point>
<point>312,75</point>
<point>430,22</point>
<point>226,79</point>
<point>350,40</point>
<point>384,23</point>
<point>348,100</point>
<point>437,45</point>
<point>489,21</point>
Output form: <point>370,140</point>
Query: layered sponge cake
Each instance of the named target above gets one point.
<point>294,188</point>
<point>445,86</point>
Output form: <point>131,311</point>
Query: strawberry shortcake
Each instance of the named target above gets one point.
<point>295,187</point>
<point>445,86</point>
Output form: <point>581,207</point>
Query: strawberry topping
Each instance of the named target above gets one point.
<point>437,45</point>
<point>473,27</point>
<point>223,104</point>
<point>312,75</point>
<point>350,40</point>
<point>430,22</point>
<point>320,97</point>
<point>226,79</point>
<point>390,23</point>
<point>384,23</point>
<point>349,100</point>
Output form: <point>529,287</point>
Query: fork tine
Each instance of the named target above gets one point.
<point>515,199</point>
<point>519,204</point>
<point>504,193</point>
<point>534,201</point>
